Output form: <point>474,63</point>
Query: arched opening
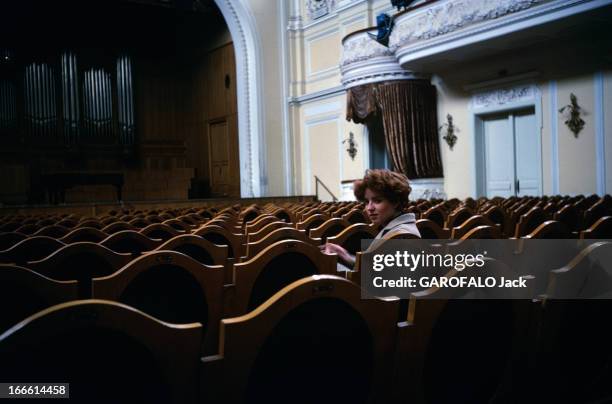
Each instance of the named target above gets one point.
<point>248,66</point>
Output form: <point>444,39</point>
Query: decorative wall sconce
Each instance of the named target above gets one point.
<point>449,129</point>
<point>572,115</point>
<point>352,145</point>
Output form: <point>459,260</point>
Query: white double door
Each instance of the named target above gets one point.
<point>512,154</point>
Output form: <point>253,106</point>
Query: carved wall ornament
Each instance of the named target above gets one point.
<point>319,8</point>
<point>352,145</point>
<point>360,48</point>
<point>448,129</point>
<point>451,16</point>
<point>504,96</point>
<point>571,112</point>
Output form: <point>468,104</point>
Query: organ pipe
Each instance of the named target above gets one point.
<point>86,100</point>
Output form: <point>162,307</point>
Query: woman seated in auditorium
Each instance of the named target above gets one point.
<point>386,196</point>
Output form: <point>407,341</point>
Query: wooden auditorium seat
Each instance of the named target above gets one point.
<point>458,217</point>
<point>265,230</point>
<point>90,234</point>
<point>329,228</point>
<point>24,292</point>
<point>67,222</point>
<point>350,238</point>
<point>570,217</point>
<point>453,350</point>
<point>47,221</point>
<point>28,229</point>
<point>139,223</point>
<point>274,268</point>
<point>258,223</point>
<point>312,221</point>
<point>601,229</point>
<point>573,356</point>
<point>283,214</point>
<point>436,214</point>
<point>118,226</point>
<point>10,238</point>
<point>160,231</point>
<point>105,221</point>
<point>529,221</point>
<point>431,230</point>
<point>171,287</point>
<point>474,221</point>
<point>107,351</point>
<point>54,230</point>
<point>499,216</point>
<point>550,229</point>
<point>283,233</point>
<point>93,222</point>
<point>355,216</point>
<point>221,236</point>
<point>30,249</point>
<point>80,261</point>
<point>316,340</point>
<point>130,242</point>
<point>178,225</point>
<point>482,232</point>
<point>196,247</point>
<point>587,276</point>
<point>601,208</point>
<point>226,223</point>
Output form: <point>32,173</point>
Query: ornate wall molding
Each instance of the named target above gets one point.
<point>361,47</point>
<point>504,96</point>
<point>450,16</point>
<point>319,8</point>
<point>427,188</point>
<point>365,61</point>
<point>242,27</point>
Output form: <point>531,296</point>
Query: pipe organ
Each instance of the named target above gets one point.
<point>66,103</point>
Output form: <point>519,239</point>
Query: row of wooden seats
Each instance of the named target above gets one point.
<point>67,263</point>
<point>127,241</point>
<point>319,338</point>
<point>251,282</point>
<point>52,343</point>
<point>576,214</point>
<point>412,369</point>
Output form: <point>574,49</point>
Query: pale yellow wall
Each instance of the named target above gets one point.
<point>353,169</point>
<point>577,155</point>
<point>457,163</point>
<point>322,151</point>
<point>313,50</point>
<point>323,52</point>
<point>321,141</point>
<point>314,64</point>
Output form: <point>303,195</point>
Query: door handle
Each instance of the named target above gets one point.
<point>518,186</point>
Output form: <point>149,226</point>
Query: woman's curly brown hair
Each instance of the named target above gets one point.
<point>393,186</point>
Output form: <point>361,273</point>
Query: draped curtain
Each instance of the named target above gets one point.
<point>408,112</point>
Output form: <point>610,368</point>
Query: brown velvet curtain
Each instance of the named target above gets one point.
<point>409,116</point>
<point>362,104</point>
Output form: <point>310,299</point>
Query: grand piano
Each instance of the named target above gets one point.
<point>57,183</point>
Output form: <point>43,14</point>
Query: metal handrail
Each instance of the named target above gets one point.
<point>317,181</point>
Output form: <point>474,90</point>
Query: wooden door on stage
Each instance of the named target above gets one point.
<point>223,161</point>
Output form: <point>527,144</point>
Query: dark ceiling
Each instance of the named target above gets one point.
<point>162,26</point>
